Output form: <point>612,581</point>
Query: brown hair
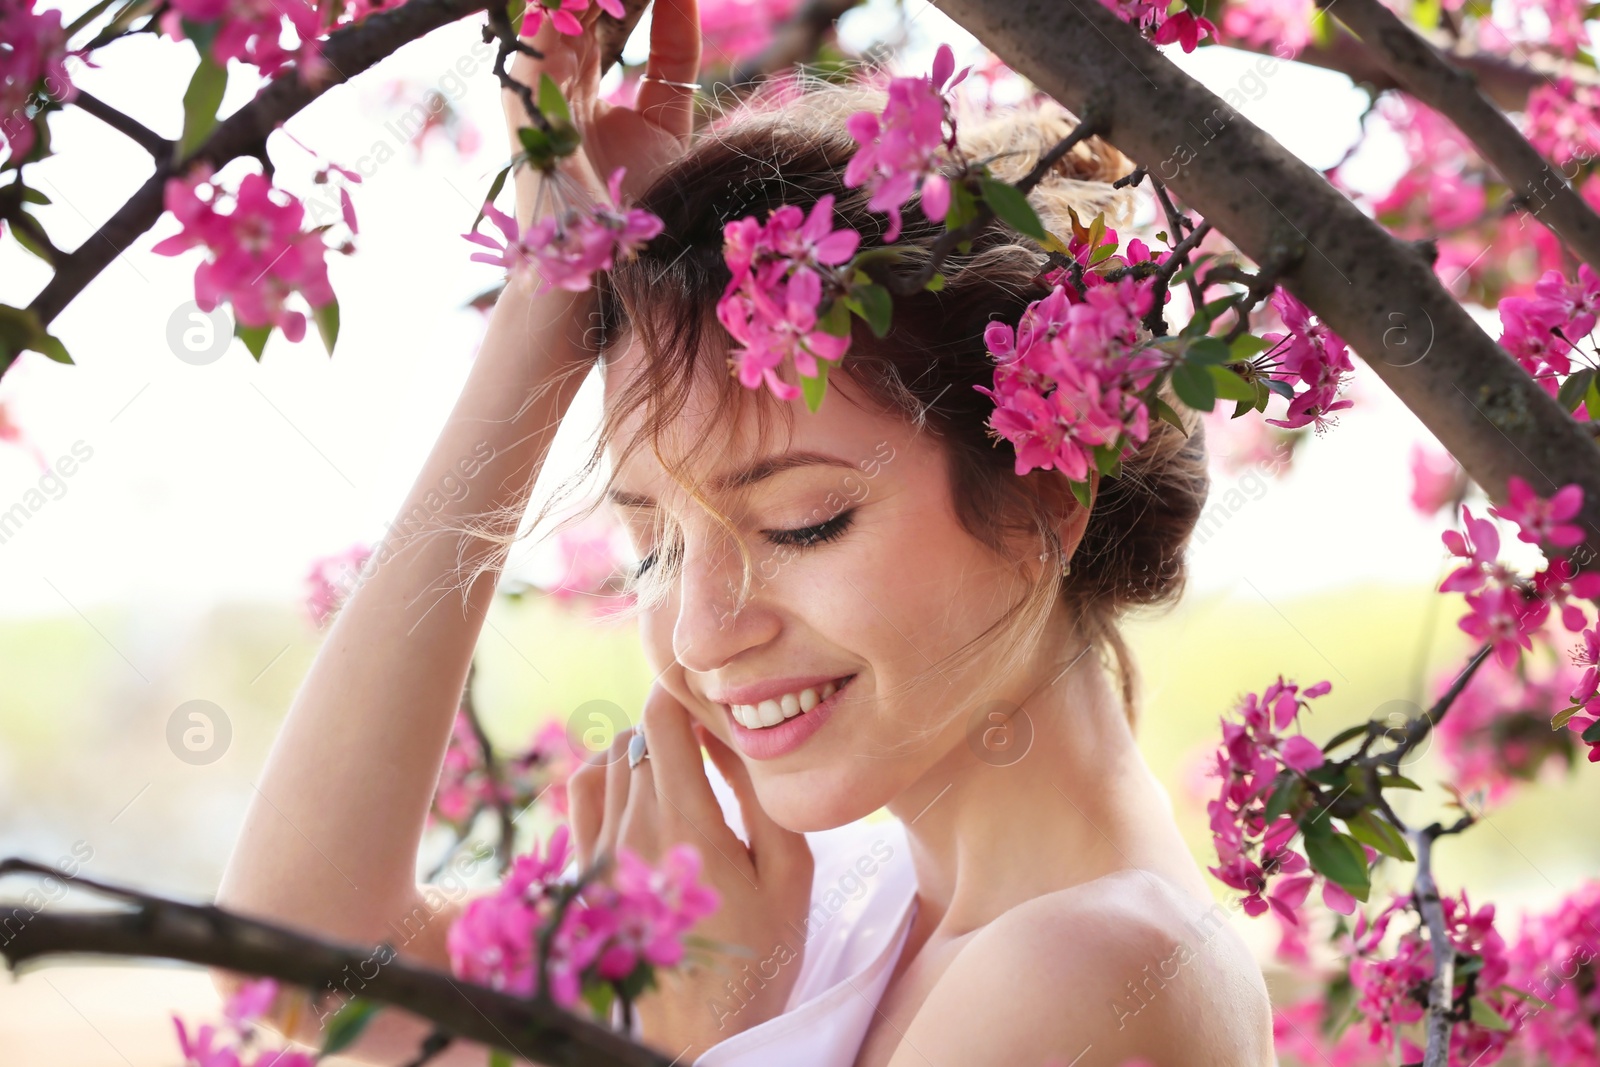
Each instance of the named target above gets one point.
<point>924,370</point>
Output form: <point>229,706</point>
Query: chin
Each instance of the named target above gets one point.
<point>812,800</point>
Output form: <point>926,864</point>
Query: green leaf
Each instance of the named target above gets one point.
<point>963,206</point>
<point>501,1058</point>
<point>1246,345</point>
<point>1102,252</point>
<point>20,331</point>
<point>1397,781</point>
<point>1080,490</point>
<point>1194,386</point>
<point>1232,387</point>
<point>1485,1016</point>
<point>1011,206</point>
<point>347,1024</point>
<point>873,303</point>
<point>1208,350</point>
<point>1165,413</point>
<point>1286,793</point>
<point>1592,734</point>
<point>1344,736</point>
<point>813,389</point>
<point>1373,829</point>
<point>935,283</point>
<point>34,196</point>
<point>26,229</point>
<point>598,996</point>
<point>200,102</point>
<point>254,337</point>
<point>1564,716</point>
<point>1574,388</point>
<point>1425,13</point>
<point>1337,857</point>
<point>552,103</point>
<point>327,317</point>
<point>494,191</point>
<point>1591,399</point>
<point>836,320</point>
<point>540,148</point>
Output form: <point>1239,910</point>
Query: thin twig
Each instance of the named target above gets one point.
<point>148,139</point>
<point>1419,728</point>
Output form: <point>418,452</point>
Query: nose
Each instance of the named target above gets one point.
<point>709,631</point>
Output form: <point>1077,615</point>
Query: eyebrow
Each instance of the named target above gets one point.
<point>758,471</point>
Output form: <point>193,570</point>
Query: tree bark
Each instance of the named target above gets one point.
<point>1376,291</point>
<point>536,1030</point>
<point>1426,75</point>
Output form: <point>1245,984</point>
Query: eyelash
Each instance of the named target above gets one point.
<point>804,537</point>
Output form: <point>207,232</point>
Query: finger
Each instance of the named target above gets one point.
<point>637,832</point>
<point>675,751</point>
<point>586,805</point>
<point>775,850</point>
<point>616,794</point>
<point>674,56</point>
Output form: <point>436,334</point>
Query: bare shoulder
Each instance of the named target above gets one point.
<point>1126,966</point>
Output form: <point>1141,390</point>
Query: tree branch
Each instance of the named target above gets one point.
<point>1502,79</point>
<point>1439,1018</point>
<point>1428,76</point>
<point>534,1029</point>
<point>1361,280</point>
<point>151,141</point>
<point>349,51</point>
<point>1419,728</point>
<point>796,40</point>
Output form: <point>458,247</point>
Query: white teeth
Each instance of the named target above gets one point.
<point>772,712</point>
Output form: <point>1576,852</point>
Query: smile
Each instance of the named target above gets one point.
<point>779,725</point>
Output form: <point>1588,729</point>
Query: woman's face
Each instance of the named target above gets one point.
<point>861,571</point>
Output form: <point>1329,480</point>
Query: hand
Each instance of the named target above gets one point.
<point>765,888</point>
<point>644,138</point>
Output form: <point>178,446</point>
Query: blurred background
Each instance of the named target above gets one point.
<point>172,565</point>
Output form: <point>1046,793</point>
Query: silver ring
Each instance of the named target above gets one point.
<point>664,81</point>
<point>637,752</point>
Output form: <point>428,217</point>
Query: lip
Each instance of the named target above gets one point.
<point>771,689</point>
<point>770,742</point>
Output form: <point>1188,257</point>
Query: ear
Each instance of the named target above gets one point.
<point>1071,517</point>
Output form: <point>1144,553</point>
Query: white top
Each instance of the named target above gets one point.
<point>863,898</point>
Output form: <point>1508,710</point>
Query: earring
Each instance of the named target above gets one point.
<point>1066,567</point>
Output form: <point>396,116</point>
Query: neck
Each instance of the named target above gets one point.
<point>985,837</point>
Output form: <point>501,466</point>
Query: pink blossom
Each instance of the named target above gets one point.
<point>1497,731</point>
<point>211,1046</point>
<point>900,147</point>
<point>1562,121</point>
<point>1585,697</point>
<point>1437,480</point>
<point>775,291</point>
<point>1480,547</point>
<point>251,31</point>
<point>738,30</point>
<point>1387,983</point>
<point>591,558</point>
<point>564,15</point>
<point>1068,376</point>
<point>1311,355</point>
<point>258,253</point>
<point>466,786</point>
<point>1541,521</point>
<point>35,52</point>
<point>1151,17</point>
<point>1270,23</point>
<point>1553,958</point>
<point>606,934</point>
<point>1254,856</point>
<point>1561,586</point>
<point>1505,617</point>
<point>567,249</point>
<point>332,579</point>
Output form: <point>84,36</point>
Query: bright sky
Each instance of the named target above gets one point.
<point>207,483</point>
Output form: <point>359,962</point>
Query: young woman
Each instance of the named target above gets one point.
<point>849,610</point>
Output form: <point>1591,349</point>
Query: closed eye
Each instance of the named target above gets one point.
<point>802,537</point>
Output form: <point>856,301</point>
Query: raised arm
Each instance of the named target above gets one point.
<point>330,840</point>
